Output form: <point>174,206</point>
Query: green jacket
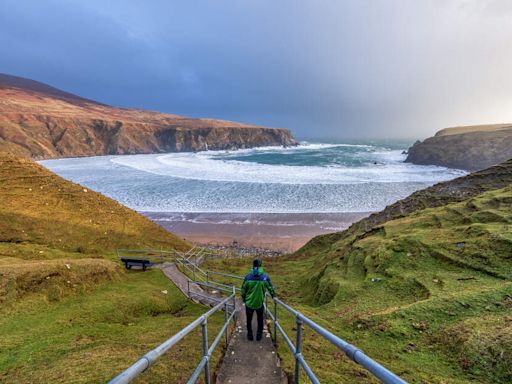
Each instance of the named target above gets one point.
<point>253,288</point>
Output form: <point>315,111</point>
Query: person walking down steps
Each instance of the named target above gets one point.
<point>253,294</point>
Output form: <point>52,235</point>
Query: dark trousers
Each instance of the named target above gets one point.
<point>259,313</point>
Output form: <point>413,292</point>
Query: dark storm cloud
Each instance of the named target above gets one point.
<point>324,68</point>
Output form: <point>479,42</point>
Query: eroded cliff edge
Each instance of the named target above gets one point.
<point>471,148</point>
<point>42,122</point>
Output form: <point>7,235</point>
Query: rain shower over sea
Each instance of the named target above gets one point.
<point>289,194</point>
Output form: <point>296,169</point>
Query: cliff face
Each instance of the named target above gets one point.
<point>471,148</point>
<point>39,121</point>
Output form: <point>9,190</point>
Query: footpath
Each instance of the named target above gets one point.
<point>245,362</point>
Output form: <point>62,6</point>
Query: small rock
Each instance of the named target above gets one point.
<point>68,266</point>
<point>164,291</point>
<point>232,352</point>
<point>85,190</point>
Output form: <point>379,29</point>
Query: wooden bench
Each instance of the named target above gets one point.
<point>129,263</point>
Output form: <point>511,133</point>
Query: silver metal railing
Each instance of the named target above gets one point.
<point>354,353</point>
<point>152,356</point>
<point>202,276</point>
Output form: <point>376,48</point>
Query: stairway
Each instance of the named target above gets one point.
<point>250,362</point>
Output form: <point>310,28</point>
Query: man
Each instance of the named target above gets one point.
<point>253,294</point>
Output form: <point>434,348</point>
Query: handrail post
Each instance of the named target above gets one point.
<point>297,349</point>
<point>275,323</point>
<point>225,321</point>
<point>204,331</point>
<point>234,303</point>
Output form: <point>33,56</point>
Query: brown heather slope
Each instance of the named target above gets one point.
<point>39,208</point>
<point>42,122</point>
<point>471,147</point>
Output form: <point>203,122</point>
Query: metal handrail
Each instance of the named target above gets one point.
<point>192,268</point>
<point>210,272</point>
<point>354,353</point>
<point>152,356</point>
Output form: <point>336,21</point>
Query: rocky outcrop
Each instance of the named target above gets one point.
<point>470,148</point>
<point>42,122</point>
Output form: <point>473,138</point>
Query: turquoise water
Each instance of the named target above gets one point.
<point>313,177</point>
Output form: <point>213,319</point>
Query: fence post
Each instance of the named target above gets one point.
<point>204,331</point>
<point>297,349</point>
<point>225,321</point>
<point>188,287</point>
<point>275,322</point>
<point>207,277</point>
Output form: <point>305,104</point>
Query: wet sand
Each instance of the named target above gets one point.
<point>284,232</point>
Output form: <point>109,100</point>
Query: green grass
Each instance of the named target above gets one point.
<point>92,336</point>
<point>428,295</point>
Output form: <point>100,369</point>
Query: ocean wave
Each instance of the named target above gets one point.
<point>388,167</point>
<point>348,179</point>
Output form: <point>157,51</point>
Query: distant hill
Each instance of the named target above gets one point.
<point>470,147</point>
<point>40,121</point>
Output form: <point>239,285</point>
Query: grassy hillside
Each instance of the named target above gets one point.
<point>428,294</point>
<point>473,128</point>
<point>68,311</point>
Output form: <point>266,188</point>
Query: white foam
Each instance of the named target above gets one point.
<point>212,166</point>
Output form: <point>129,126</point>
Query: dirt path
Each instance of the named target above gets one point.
<point>249,362</point>
<point>181,281</point>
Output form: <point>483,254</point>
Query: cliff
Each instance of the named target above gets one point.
<point>42,122</point>
<point>471,148</point>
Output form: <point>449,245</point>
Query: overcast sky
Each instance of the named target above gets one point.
<point>324,68</point>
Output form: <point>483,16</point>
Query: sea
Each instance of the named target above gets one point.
<point>315,183</point>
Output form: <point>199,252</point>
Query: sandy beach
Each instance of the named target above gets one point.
<point>284,232</point>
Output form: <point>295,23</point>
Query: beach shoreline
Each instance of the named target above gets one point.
<point>261,233</point>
